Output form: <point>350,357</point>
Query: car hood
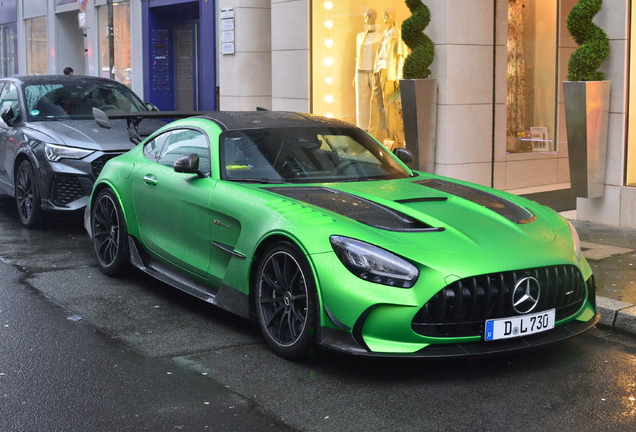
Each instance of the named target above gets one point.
<point>87,134</point>
<point>436,214</point>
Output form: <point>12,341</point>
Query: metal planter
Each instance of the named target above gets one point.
<point>587,121</point>
<point>419,111</point>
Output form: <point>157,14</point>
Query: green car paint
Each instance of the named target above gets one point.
<point>212,231</point>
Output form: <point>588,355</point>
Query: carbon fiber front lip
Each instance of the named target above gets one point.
<point>344,342</point>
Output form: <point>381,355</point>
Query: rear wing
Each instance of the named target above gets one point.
<point>134,118</point>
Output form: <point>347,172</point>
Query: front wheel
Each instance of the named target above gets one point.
<point>286,301</point>
<point>27,195</point>
<point>110,236</point>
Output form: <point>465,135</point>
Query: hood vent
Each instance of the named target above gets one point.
<point>499,205</point>
<point>354,207</point>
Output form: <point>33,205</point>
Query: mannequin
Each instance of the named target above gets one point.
<point>366,49</point>
<point>385,101</point>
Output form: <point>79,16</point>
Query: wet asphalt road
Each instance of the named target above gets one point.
<point>80,352</point>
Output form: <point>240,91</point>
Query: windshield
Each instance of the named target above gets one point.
<point>76,100</point>
<point>301,155</point>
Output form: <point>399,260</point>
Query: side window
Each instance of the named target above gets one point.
<point>185,142</point>
<point>152,149</point>
<point>9,95</point>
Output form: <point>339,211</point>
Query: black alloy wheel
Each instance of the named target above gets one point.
<point>27,195</point>
<point>286,301</point>
<point>110,236</point>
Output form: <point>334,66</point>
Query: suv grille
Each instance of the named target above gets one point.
<point>460,309</point>
<point>65,189</point>
<point>98,164</point>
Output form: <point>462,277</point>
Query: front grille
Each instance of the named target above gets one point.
<point>98,164</point>
<point>460,309</point>
<point>65,189</point>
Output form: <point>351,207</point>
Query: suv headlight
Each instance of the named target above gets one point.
<point>374,264</point>
<point>56,152</point>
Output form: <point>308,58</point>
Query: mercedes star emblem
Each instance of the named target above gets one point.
<point>525,295</point>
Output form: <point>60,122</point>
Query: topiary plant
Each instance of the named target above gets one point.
<point>592,40</point>
<point>416,64</point>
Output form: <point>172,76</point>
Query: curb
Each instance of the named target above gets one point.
<point>616,316</point>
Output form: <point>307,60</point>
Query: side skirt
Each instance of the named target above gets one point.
<point>226,297</point>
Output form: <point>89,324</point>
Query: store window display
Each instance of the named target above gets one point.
<point>531,76</point>
<point>346,39</point>
<point>345,32</point>
<point>516,95</point>
<point>366,50</point>
<point>385,112</point>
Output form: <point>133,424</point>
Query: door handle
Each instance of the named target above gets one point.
<point>150,180</point>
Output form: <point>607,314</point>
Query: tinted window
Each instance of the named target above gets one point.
<point>152,149</point>
<point>77,99</point>
<point>329,154</point>
<point>185,142</point>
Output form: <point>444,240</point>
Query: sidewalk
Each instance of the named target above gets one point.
<point>611,252</point>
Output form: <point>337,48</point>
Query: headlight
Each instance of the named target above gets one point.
<point>576,240</point>
<point>55,152</point>
<point>374,264</point>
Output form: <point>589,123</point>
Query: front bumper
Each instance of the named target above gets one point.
<point>362,318</point>
<point>67,184</point>
<point>345,342</point>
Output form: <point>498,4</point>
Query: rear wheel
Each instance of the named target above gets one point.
<point>110,236</point>
<point>286,301</point>
<point>27,195</point>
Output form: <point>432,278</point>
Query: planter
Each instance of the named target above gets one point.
<point>587,118</point>
<point>419,110</point>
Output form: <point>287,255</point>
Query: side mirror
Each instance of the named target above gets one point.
<point>7,114</point>
<point>101,118</point>
<point>188,164</point>
<point>404,155</point>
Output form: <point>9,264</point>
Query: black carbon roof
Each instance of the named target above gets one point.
<point>241,120</point>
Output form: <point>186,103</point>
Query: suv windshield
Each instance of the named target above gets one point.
<point>76,100</point>
<point>322,154</point>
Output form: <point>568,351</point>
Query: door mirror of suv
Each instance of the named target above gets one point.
<point>101,118</point>
<point>7,115</point>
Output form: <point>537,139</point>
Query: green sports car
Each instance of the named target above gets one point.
<point>316,230</point>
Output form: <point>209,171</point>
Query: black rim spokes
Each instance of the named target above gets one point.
<point>25,194</point>
<point>106,230</point>
<point>283,298</point>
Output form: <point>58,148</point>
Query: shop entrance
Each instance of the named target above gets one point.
<point>175,55</point>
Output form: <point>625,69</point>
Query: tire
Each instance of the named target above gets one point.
<point>286,301</point>
<point>110,236</point>
<point>27,196</point>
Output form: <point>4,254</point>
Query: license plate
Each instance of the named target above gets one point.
<point>504,328</point>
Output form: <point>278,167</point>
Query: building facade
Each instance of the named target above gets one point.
<point>500,65</point>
